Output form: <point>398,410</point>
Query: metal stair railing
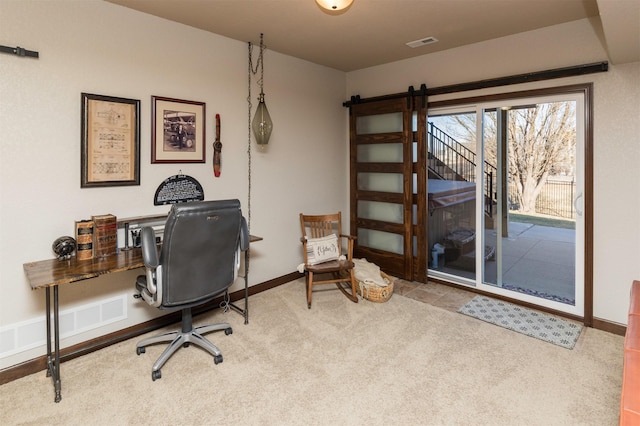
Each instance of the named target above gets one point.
<point>452,160</point>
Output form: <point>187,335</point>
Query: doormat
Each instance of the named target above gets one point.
<point>522,320</point>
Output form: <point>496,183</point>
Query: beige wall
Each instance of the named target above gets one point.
<point>616,130</point>
<point>97,47</point>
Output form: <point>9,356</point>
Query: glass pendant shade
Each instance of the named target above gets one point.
<point>262,124</point>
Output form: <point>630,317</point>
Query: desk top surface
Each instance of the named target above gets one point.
<point>52,272</point>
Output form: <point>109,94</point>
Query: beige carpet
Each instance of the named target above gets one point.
<point>400,362</point>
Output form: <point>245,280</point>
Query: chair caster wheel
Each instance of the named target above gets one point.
<point>217,359</point>
<point>140,350</point>
<point>228,331</point>
<point>156,375</point>
<point>185,345</point>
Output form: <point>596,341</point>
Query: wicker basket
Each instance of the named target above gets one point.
<point>374,293</point>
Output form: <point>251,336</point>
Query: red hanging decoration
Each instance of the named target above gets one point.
<point>217,149</point>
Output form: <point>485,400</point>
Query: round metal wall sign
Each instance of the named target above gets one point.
<point>178,189</point>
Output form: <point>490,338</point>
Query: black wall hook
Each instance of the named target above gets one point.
<point>19,51</point>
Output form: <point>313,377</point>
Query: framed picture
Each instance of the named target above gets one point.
<point>178,131</point>
<point>110,151</point>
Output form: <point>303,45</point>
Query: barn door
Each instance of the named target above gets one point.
<point>388,185</point>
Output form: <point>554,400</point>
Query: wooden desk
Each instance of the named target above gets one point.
<point>52,273</point>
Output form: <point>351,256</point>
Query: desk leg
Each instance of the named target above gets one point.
<point>246,296</point>
<point>48,319</point>
<point>245,311</point>
<point>53,364</point>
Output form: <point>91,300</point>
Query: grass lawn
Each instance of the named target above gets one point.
<point>543,220</point>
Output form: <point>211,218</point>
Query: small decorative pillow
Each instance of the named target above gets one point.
<point>322,249</point>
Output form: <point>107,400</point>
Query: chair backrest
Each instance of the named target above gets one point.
<point>317,226</point>
<point>199,251</point>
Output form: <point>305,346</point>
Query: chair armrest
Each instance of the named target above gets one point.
<point>350,239</point>
<point>149,247</point>
<point>244,235</point>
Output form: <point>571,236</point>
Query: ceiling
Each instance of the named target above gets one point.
<point>374,32</point>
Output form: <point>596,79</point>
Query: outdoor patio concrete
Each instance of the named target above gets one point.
<point>536,259</point>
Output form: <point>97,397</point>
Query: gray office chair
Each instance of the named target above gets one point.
<point>198,261</point>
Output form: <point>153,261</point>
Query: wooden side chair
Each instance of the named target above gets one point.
<point>322,240</point>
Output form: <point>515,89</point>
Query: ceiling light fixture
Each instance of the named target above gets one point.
<point>334,7</point>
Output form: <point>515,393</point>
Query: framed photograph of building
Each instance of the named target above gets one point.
<point>110,141</point>
<point>178,131</point>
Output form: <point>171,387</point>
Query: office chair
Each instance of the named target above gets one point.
<point>198,261</point>
<point>322,249</point>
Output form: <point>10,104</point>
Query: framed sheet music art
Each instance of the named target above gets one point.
<point>110,151</point>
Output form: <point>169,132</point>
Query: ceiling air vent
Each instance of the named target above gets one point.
<point>422,42</point>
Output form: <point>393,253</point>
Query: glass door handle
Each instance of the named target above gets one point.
<point>575,204</point>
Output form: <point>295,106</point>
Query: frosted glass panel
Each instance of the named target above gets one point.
<point>380,240</point>
<point>380,123</point>
<point>375,210</point>
<point>380,153</point>
<point>383,182</point>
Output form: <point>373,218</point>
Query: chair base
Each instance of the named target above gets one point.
<point>338,279</point>
<point>183,338</point>
<point>353,296</point>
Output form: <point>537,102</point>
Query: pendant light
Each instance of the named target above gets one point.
<point>261,124</point>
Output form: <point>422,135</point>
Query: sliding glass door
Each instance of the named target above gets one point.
<point>506,198</point>
<point>452,197</point>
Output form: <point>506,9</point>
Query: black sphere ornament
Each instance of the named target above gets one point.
<point>64,247</point>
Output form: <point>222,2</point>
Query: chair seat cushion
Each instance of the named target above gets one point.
<point>331,266</point>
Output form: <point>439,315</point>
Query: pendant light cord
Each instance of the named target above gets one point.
<point>249,138</point>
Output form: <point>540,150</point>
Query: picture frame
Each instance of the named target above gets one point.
<point>178,131</point>
<point>110,141</point>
